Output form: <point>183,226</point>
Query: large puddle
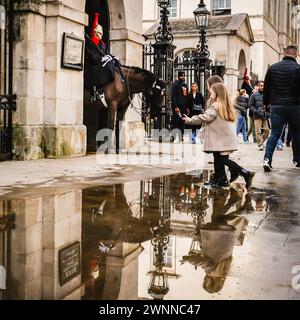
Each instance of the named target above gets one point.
<point>166,238</point>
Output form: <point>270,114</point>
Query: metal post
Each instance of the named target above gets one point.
<point>202,54</point>
<point>164,58</point>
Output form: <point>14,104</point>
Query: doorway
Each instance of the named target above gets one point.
<point>95,117</point>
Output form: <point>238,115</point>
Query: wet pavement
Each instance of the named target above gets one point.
<point>165,238</point>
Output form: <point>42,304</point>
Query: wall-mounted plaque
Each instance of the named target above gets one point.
<point>69,263</point>
<point>72,52</point>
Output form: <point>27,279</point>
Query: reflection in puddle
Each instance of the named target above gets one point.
<point>167,238</point>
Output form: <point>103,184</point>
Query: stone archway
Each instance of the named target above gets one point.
<point>241,67</point>
<point>95,117</point>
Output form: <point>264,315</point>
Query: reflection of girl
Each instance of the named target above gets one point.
<point>215,279</point>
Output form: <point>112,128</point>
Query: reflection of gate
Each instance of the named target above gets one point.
<point>7,100</point>
<point>7,224</point>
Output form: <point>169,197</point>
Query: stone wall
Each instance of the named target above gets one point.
<point>44,225</point>
<point>49,118</point>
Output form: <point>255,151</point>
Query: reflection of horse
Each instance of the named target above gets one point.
<point>118,95</point>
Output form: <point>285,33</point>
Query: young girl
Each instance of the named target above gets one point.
<point>220,136</point>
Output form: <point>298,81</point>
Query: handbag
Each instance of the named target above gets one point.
<point>197,107</point>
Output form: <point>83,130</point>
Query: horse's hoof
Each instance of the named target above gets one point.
<point>110,151</point>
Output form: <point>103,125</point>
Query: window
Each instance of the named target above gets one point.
<point>221,7</point>
<point>167,256</point>
<point>173,9</point>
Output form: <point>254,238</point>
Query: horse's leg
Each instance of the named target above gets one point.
<point>111,120</point>
<point>120,117</point>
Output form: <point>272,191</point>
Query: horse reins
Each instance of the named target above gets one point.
<point>137,110</point>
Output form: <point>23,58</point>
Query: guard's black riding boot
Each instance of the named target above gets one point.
<point>122,75</point>
<point>248,176</point>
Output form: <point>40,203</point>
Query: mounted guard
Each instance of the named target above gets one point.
<point>100,66</point>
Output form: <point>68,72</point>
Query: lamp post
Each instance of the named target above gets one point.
<point>202,16</point>
<point>164,59</point>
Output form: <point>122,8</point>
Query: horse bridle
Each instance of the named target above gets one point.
<point>155,85</point>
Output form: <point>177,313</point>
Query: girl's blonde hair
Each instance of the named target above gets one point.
<point>226,109</point>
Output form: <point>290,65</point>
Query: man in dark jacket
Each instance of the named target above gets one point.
<point>284,106</point>
<point>260,116</point>
<point>179,103</point>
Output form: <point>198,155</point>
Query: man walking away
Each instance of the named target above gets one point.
<point>260,116</point>
<point>284,106</point>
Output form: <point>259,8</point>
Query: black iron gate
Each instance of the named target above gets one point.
<point>161,64</point>
<point>188,63</point>
<point>7,99</point>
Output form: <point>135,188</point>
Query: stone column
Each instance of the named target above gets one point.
<point>29,68</point>
<point>50,99</point>
<point>61,228</point>
<point>65,134</point>
<point>121,280</point>
<point>27,249</point>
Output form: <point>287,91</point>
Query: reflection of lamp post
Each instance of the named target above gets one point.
<point>202,54</point>
<point>159,286</point>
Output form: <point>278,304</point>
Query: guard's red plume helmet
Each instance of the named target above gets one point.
<point>246,78</point>
<point>95,24</point>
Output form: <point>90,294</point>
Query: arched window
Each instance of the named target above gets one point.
<point>185,56</point>
<point>185,62</point>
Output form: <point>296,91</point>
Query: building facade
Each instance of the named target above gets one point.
<point>256,43</point>
<point>50,121</point>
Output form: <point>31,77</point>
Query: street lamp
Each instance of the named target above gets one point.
<point>202,16</point>
<point>163,3</point>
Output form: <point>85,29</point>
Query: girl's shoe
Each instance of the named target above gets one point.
<point>248,176</point>
<point>213,180</point>
<point>221,183</point>
<point>233,176</point>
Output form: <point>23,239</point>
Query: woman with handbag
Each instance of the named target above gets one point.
<point>196,106</point>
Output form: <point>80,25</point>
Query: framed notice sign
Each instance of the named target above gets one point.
<point>69,263</point>
<point>72,52</point>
